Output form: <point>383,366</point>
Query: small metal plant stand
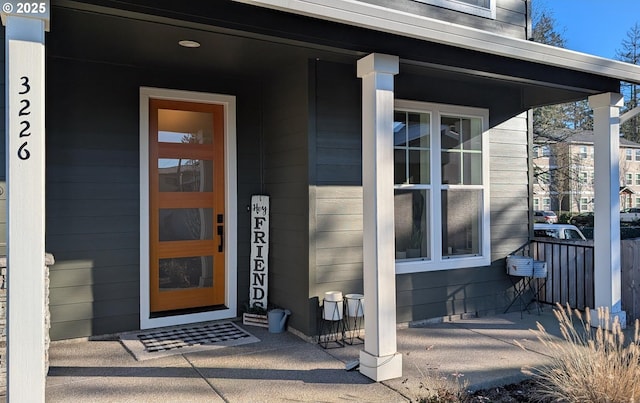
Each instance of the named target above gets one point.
<point>354,308</point>
<point>332,329</point>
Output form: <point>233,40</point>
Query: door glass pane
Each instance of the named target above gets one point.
<point>185,175</point>
<point>412,224</point>
<point>185,127</point>
<point>461,222</point>
<point>185,224</point>
<point>186,272</point>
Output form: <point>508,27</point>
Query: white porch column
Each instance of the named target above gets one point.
<point>379,360</point>
<point>25,151</point>
<point>606,127</point>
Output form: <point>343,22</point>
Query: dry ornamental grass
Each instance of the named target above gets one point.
<point>592,364</point>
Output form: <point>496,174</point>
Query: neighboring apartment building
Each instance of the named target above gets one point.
<point>565,174</point>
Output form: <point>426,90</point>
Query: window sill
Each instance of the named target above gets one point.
<point>419,266</point>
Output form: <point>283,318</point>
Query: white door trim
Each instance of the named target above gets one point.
<point>230,236</point>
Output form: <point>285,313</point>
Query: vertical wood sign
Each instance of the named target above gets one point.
<point>259,282</point>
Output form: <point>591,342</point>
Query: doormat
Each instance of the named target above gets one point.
<point>156,343</point>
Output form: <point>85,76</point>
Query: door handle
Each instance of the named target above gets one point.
<point>220,220</point>
<point>221,235</point>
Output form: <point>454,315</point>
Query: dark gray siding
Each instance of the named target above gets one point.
<point>509,186</point>
<point>286,126</point>
<point>93,188</point>
<point>512,16</point>
<point>338,181</point>
<point>92,197</point>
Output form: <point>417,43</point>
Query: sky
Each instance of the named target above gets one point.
<point>597,27</point>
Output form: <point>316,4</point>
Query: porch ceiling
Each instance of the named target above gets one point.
<point>244,40</point>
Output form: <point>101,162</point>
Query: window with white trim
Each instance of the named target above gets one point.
<point>482,8</point>
<point>628,179</point>
<point>546,203</point>
<point>441,198</point>
<point>628,154</point>
<point>536,203</point>
<point>637,179</point>
<point>637,154</point>
<point>637,202</point>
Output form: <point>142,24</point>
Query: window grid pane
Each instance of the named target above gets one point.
<point>412,228</point>
<point>412,148</point>
<point>461,157</point>
<point>461,222</point>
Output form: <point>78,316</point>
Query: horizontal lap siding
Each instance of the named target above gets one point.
<point>511,15</point>
<point>509,174</point>
<point>286,170</point>
<point>338,190</point>
<point>92,199</point>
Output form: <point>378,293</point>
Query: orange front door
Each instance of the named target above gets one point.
<point>186,205</point>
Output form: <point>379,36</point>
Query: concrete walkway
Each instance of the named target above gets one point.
<point>478,352</point>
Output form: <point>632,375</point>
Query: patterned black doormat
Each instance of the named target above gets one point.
<point>155,343</point>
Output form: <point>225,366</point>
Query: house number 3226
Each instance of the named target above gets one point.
<point>23,116</point>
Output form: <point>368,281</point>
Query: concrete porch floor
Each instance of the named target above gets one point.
<point>283,367</point>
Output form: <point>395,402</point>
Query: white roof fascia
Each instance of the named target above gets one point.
<point>379,18</point>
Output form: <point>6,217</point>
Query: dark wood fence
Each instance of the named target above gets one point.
<point>630,272</point>
<point>570,273</point>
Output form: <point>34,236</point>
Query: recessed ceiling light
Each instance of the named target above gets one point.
<point>189,44</point>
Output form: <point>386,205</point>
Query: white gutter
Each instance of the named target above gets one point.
<point>378,18</point>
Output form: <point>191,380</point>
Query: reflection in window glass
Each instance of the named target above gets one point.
<point>412,148</point>
<point>450,168</point>
<point>419,130</point>
<point>461,223</point>
<point>185,224</point>
<point>419,167</point>
<point>186,272</point>
<point>472,174</point>
<point>185,175</point>
<point>461,157</point>
<point>400,165</point>
<point>186,127</point>
<point>411,223</point>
